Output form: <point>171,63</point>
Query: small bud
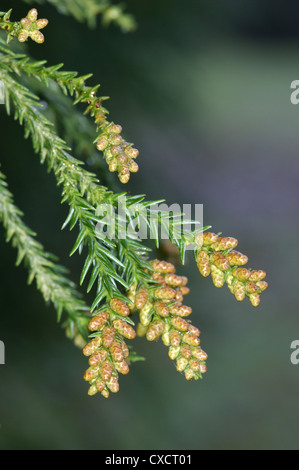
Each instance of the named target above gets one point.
<point>145,314</point>
<point>242,274</point>
<point>23,35</point>
<point>165,293</point>
<point>26,23</point>
<point>193,330</point>
<point>108,336</point>
<point>163,267</point>
<point>113,165</point>
<point>185,290</point>
<point>239,291</point>
<point>124,329</point>
<point>251,288</point>
<point>106,370</point>
<point>225,243</point>
<point>102,143</point>
<point>198,240</point>
<point>124,171</point>
<point>174,308</point>
<point>173,280</point>
<point>109,157</point>
<point>113,385</point>
<point>116,151</point>
<point>115,129</point>
<point>203,263</point>
<point>98,321</point>
<point>42,23</point>
<point>184,281</point>
<point>208,238</point>
<point>181,364</point>
<point>186,351</point>
<point>230,283</point>
<point>122,367</point>
<point>37,36</point>
<point>173,352</point>
<point>132,153</point>
<point>189,374</point>
<point>98,357</point>
<point>159,278</point>
<point>179,324</point>
<point>166,335</point>
<point>191,339</point>
<point>199,354</point>
<point>105,393</point>
<point>133,166</point>
<point>125,349</point>
<point>184,311</point>
<point>100,118</point>
<point>92,390</point>
<point>255,299</point>
<point>161,309</point>
<point>175,338</point>
<point>195,365</point>
<point>236,259</point>
<point>32,14</point>
<point>119,306</point>
<point>100,384</point>
<point>122,160</point>
<point>91,373</point>
<point>262,285</point>
<point>115,139</point>
<point>202,368</point>
<point>124,178</point>
<point>179,296</point>
<point>218,276</point>
<point>257,275</point>
<point>155,330</point>
<point>132,296</point>
<point>141,298</point>
<point>92,346</point>
<point>220,262</point>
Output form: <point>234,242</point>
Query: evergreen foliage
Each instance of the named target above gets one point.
<point>116,266</point>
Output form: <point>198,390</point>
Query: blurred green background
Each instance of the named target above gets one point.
<point>203,89</point>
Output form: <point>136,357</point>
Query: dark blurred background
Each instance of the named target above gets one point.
<point>203,90</point>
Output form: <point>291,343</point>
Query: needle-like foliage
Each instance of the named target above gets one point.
<point>117,267</point>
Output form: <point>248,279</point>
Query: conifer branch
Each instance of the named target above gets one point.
<point>162,314</point>
<point>88,10</point>
<point>116,265</point>
<point>119,154</point>
<point>25,28</point>
<point>217,256</point>
<point>80,190</point>
<point>50,277</point>
<point>75,86</point>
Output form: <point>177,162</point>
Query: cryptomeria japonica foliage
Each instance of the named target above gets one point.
<point>133,294</point>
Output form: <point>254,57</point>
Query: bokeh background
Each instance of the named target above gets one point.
<point>203,90</point>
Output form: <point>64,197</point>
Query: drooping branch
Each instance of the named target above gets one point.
<point>50,277</point>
